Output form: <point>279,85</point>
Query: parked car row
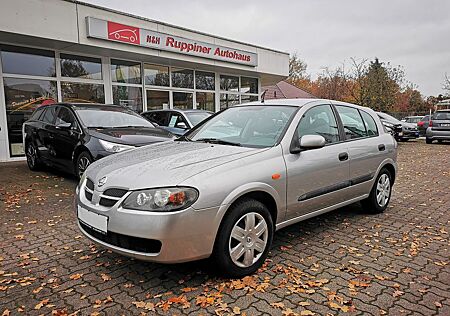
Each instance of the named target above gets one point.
<point>433,127</point>
<point>401,130</point>
<point>70,136</point>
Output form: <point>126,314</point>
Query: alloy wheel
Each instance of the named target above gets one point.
<point>31,155</point>
<point>83,163</point>
<point>383,190</point>
<point>248,239</point>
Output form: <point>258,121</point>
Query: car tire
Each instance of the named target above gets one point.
<point>380,195</point>
<point>33,161</point>
<point>83,160</point>
<point>428,141</point>
<point>237,236</point>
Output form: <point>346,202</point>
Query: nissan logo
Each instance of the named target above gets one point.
<point>102,182</point>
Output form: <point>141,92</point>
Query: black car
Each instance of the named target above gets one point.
<point>71,136</point>
<point>177,121</point>
<point>402,131</point>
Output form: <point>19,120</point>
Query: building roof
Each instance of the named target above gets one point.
<point>285,90</point>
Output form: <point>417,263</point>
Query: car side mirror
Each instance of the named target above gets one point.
<point>181,125</point>
<point>64,126</point>
<point>306,142</point>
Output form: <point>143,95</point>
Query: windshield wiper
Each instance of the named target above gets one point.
<point>217,141</point>
<point>183,139</point>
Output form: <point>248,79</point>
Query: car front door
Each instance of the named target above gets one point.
<point>66,135</point>
<point>365,148</point>
<point>317,178</point>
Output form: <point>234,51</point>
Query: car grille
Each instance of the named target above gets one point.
<point>108,198</point>
<point>124,241</point>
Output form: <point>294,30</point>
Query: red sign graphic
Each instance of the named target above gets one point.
<point>123,33</point>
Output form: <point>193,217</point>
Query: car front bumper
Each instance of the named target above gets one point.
<point>182,236</point>
<point>408,134</point>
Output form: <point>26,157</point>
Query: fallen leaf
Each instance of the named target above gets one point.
<point>76,276</point>
<point>41,304</point>
<point>398,293</point>
<point>105,277</point>
<point>306,313</point>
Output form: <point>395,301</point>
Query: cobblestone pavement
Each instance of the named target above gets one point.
<point>344,262</point>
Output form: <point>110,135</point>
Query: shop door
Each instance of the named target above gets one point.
<point>157,100</point>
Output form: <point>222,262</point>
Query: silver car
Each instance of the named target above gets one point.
<point>222,190</point>
<point>438,127</point>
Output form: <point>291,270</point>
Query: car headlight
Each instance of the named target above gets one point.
<point>114,147</point>
<point>161,199</point>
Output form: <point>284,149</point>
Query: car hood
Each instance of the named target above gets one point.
<point>410,125</point>
<point>163,164</point>
<point>136,136</point>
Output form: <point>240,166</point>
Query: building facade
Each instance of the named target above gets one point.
<point>67,51</point>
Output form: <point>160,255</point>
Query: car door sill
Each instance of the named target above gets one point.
<point>319,212</point>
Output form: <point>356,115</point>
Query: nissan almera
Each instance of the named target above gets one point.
<point>223,189</point>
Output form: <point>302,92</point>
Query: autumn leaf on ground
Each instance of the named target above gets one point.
<point>438,304</point>
<point>237,310</point>
<point>41,304</point>
<point>306,313</point>
<point>76,276</point>
<point>304,304</point>
<point>105,277</point>
<point>278,305</point>
<point>398,293</point>
<point>57,312</point>
<point>6,312</point>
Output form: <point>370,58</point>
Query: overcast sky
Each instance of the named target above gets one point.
<point>411,33</point>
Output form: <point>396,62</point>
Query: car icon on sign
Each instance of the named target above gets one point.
<point>126,34</point>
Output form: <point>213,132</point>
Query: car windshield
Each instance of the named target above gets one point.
<point>441,116</point>
<point>196,118</point>
<point>249,126</point>
<point>107,118</point>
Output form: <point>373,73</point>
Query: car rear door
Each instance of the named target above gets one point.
<point>366,149</point>
<point>317,178</point>
<point>45,134</point>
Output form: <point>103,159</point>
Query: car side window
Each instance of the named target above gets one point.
<point>370,124</point>
<point>352,122</point>
<point>64,116</point>
<point>49,115</point>
<point>319,120</point>
<point>158,118</point>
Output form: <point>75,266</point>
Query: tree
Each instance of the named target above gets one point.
<point>447,85</point>
<point>297,69</point>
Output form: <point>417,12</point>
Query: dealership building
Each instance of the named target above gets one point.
<point>68,51</point>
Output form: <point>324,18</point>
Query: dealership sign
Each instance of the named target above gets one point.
<point>131,35</point>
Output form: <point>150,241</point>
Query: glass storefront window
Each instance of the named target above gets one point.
<point>229,83</point>
<point>27,61</point>
<point>155,75</point>
<point>22,97</point>
<point>206,101</point>
<point>125,71</point>
<point>182,100</point>
<point>227,100</point>
<point>249,85</point>
<point>157,99</point>
<point>81,67</point>
<point>82,92</point>
<point>182,78</point>
<point>130,97</point>
<point>205,80</point>
<point>248,98</point>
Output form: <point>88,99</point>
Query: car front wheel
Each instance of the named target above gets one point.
<point>83,161</point>
<point>33,160</point>
<point>380,194</point>
<point>244,239</point>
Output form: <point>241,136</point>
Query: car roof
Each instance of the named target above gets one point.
<point>179,110</point>
<point>87,106</point>
<point>443,110</point>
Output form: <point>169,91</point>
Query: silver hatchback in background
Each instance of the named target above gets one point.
<point>222,190</point>
<point>438,127</point>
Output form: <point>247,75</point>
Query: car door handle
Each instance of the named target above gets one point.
<point>381,147</point>
<point>343,156</point>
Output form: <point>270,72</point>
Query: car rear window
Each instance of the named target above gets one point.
<point>441,116</point>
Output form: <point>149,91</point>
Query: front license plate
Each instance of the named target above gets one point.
<point>93,220</point>
<point>445,124</point>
